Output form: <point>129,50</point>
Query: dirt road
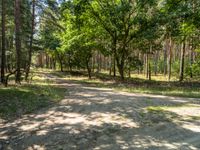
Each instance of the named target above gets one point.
<point>91,118</point>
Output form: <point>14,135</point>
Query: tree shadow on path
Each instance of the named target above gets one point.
<point>92,118</point>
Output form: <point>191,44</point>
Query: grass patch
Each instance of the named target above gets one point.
<point>156,114</point>
<point>18,100</point>
<point>168,91</point>
<point>185,89</point>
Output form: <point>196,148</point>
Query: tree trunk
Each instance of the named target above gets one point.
<point>31,40</point>
<point>120,65</point>
<point>3,49</point>
<point>165,59</point>
<point>110,66</point>
<point>54,63</point>
<point>181,76</point>
<point>88,69</point>
<point>121,71</point>
<point>147,65</point>
<point>93,63</point>
<point>129,72</point>
<point>60,59</point>
<point>99,62</point>
<point>61,65</point>
<point>169,58</point>
<point>18,40</point>
<point>191,58</point>
<point>114,46</point>
<point>47,61</point>
<point>149,69</point>
<point>156,63</point>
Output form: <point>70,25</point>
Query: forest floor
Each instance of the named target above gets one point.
<point>91,117</point>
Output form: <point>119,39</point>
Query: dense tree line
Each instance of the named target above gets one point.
<point>120,36</point>
<point>19,19</point>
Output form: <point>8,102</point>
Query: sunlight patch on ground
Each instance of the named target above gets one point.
<point>111,118</point>
<point>192,126</point>
<point>29,127</point>
<point>36,147</point>
<point>185,111</point>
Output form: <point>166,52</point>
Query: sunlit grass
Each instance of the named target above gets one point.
<point>158,77</point>
<point>28,97</point>
<point>146,88</point>
<point>169,91</point>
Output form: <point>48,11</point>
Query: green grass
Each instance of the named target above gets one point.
<point>168,91</point>
<point>26,98</point>
<point>185,89</point>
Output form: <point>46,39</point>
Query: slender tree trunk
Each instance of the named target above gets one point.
<point>54,63</point>
<point>191,58</point>
<point>47,61</point>
<point>69,63</point>
<point>93,63</point>
<point>110,66</point>
<point>129,72</point>
<point>149,74</point>
<point>181,76</point>
<point>147,65</point>
<point>169,58</point>
<point>144,65</point>
<point>156,63</point>
<point>18,40</point>
<point>31,40</point>
<point>114,64</point>
<point>99,62</point>
<point>114,46</point>
<point>88,68</point>
<point>3,48</point>
<point>165,59</point>
<point>61,65</point>
<point>0,52</point>
<point>139,66</point>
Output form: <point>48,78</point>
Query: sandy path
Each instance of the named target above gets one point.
<point>92,118</point>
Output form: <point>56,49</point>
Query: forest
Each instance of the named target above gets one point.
<point>128,65</point>
<point>156,37</point>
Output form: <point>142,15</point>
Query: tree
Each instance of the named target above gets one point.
<point>3,40</point>
<point>31,40</point>
<point>18,39</point>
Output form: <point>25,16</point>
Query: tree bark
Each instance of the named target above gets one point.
<point>156,63</point>
<point>181,76</point>
<point>191,58</point>
<point>18,40</point>
<point>120,66</point>
<point>60,59</point>
<point>165,59</point>
<point>149,73</point>
<point>169,58</point>
<point>114,46</point>
<point>47,61</point>
<point>3,40</point>
<point>88,68</point>
<point>147,65</point>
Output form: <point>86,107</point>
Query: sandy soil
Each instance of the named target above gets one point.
<point>91,118</point>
